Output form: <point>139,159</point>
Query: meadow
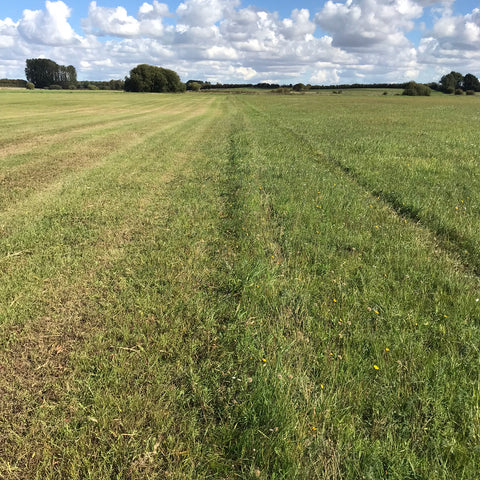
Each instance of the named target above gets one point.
<point>221,286</point>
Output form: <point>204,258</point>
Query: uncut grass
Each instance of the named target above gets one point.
<point>225,315</point>
<point>420,156</point>
<point>354,282</point>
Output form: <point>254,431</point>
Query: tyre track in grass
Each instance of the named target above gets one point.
<point>36,361</point>
<point>276,324</point>
<point>236,173</point>
<point>257,417</point>
<point>461,248</point>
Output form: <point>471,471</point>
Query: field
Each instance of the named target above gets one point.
<point>232,286</point>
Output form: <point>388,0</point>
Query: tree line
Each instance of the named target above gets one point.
<point>10,83</point>
<point>196,85</point>
<point>45,73</point>
<point>451,83</point>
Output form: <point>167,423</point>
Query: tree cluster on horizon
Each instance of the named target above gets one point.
<point>414,89</point>
<point>455,82</point>
<point>43,73</point>
<point>148,78</point>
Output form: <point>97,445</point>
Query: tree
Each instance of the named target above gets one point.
<point>40,71</point>
<point>417,89</point>
<point>195,86</point>
<point>116,84</point>
<point>174,83</point>
<point>70,74</point>
<point>451,82</point>
<point>43,73</point>
<point>471,82</point>
<point>148,78</point>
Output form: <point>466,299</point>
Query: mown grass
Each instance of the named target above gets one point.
<point>238,287</point>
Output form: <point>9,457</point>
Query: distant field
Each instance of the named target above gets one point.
<point>327,91</point>
<point>239,286</point>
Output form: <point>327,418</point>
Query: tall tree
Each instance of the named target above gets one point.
<point>471,82</point>
<point>451,82</point>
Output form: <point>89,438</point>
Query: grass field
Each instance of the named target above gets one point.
<point>239,286</point>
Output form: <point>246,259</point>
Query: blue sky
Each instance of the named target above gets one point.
<point>318,42</point>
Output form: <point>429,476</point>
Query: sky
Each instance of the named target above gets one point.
<point>247,41</point>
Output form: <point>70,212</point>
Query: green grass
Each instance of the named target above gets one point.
<point>228,286</point>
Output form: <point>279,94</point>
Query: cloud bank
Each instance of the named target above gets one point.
<point>220,40</point>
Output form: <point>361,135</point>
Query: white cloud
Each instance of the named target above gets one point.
<point>446,25</point>
<point>263,37</point>
<point>204,13</point>
<point>326,76</point>
<point>110,21</point>
<point>48,27</point>
<point>153,11</point>
<point>452,43</point>
<point>245,73</point>
<point>104,21</point>
<point>8,27</point>
<point>8,32</point>
<point>250,28</point>
<point>221,40</point>
<point>151,18</point>
<point>221,53</point>
<point>298,26</point>
<point>459,30</point>
<point>367,24</point>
